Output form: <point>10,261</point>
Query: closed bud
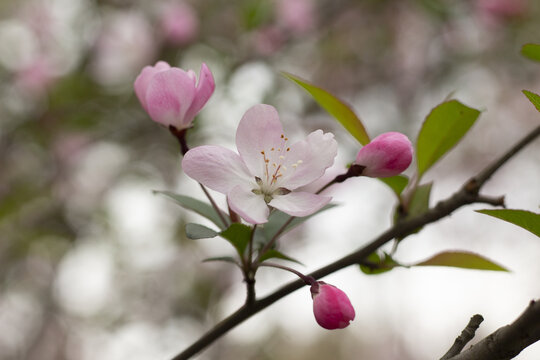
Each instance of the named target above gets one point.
<point>387,155</point>
<point>331,306</point>
<point>172,96</point>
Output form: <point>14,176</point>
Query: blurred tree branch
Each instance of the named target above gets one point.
<point>467,194</point>
<point>508,341</point>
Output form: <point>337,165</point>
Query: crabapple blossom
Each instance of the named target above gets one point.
<point>171,96</point>
<point>267,170</point>
<point>331,306</point>
<point>179,23</point>
<point>387,155</point>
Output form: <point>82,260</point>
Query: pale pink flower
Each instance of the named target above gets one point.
<point>331,306</point>
<point>387,155</point>
<point>171,96</point>
<point>503,8</point>
<point>297,16</point>
<point>267,170</point>
<point>179,23</point>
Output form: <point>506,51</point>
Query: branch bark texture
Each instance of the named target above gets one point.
<point>468,194</point>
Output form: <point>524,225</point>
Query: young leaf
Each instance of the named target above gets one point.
<point>531,51</point>
<point>238,235</point>
<point>419,203</point>
<point>198,231</point>
<point>274,254</point>
<point>397,183</point>
<point>228,259</point>
<point>197,206</point>
<point>526,219</point>
<point>375,264</point>
<point>443,128</point>
<point>533,98</point>
<point>278,219</point>
<point>461,259</point>
<point>335,107</point>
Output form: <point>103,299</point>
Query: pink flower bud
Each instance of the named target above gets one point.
<point>331,306</point>
<point>179,23</point>
<point>387,155</point>
<point>171,96</point>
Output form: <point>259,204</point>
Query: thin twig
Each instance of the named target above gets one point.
<point>214,205</point>
<point>274,238</point>
<point>468,194</point>
<point>466,335</point>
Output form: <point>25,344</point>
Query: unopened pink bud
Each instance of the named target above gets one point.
<point>331,306</point>
<point>172,96</point>
<point>179,23</point>
<point>387,155</point>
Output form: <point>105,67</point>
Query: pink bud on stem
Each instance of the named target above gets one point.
<point>387,155</point>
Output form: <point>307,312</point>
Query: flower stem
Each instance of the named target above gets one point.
<point>214,205</point>
<point>309,280</point>
<point>272,241</point>
<point>353,171</point>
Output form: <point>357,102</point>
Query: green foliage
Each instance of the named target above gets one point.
<point>419,203</point>
<point>461,259</point>
<point>377,264</point>
<point>238,235</point>
<point>197,206</point>
<point>198,231</point>
<point>533,98</point>
<point>397,183</point>
<point>531,51</point>
<point>274,254</point>
<point>526,219</point>
<point>335,107</point>
<point>445,125</point>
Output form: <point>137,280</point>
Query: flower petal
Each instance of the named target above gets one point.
<point>142,81</point>
<point>216,167</point>
<point>299,203</point>
<point>307,160</point>
<point>259,130</point>
<point>204,90</point>
<point>250,206</point>
<point>168,97</point>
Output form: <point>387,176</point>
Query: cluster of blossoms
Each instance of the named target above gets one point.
<point>268,171</point>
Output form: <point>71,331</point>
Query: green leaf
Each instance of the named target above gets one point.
<point>278,219</point>
<point>274,254</point>
<point>531,51</point>
<point>533,98</point>
<point>397,183</point>
<point>197,206</point>
<point>228,259</point>
<point>419,203</point>
<point>445,125</point>
<point>238,235</point>
<point>335,107</point>
<point>526,219</point>
<point>198,231</point>
<point>461,259</point>
<point>377,264</point>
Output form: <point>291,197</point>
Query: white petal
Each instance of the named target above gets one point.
<point>307,160</point>
<point>299,203</point>
<point>258,131</point>
<point>251,207</point>
<point>216,167</point>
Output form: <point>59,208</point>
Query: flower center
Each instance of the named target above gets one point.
<point>274,170</point>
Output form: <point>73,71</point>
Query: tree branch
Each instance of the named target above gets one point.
<point>466,335</point>
<point>468,194</point>
<point>508,341</point>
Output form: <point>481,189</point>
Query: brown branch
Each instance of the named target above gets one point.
<point>508,341</point>
<point>468,194</point>
<point>466,335</point>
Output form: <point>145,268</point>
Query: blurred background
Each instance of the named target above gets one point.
<point>94,266</point>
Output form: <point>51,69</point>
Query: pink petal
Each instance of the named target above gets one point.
<point>250,206</point>
<point>316,154</point>
<point>216,167</point>
<point>168,97</point>
<point>331,307</point>
<point>299,203</point>
<point>259,131</point>
<point>388,154</point>
<point>142,81</point>
<point>204,90</point>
